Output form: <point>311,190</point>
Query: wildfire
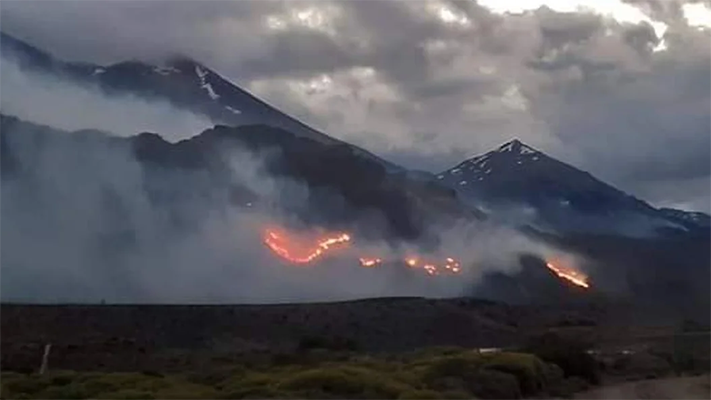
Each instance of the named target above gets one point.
<point>370,262</point>
<point>294,251</point>
<point>569,274</point>
<point>450,265</point>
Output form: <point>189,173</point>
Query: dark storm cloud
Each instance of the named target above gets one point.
<point>427,83</point>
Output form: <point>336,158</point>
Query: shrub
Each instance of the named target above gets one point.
<point>128,394</point>
<point>216,377</point>
<point>642,365</point>
<point>342,382</point>
<point>492,384</point>
<point>454,394</point>
<point>183,390</point>
<point>449,373</point>
<point>66,391</point>
<point>333,343</point>
<point>569,354</point>
<point>568,387</point>
<point>23,385</point>
<point>264,392</point>
<point>419,395</point>
<point>239,386</point>
<point>528,370</point>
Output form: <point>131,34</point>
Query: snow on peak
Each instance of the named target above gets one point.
<point>202,74</point>
<point>516,146</point>
<point>165,70</point>
<point>233,110</point>
<point>98,71</point>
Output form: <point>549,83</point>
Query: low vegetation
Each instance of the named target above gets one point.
<point>437,373</point>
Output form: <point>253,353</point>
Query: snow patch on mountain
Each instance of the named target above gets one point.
<point>202,75</point>
<point>515,176</point>
<point>165,70</point>
<point>233,110</point>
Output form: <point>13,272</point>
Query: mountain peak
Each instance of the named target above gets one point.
<point>516,146</point>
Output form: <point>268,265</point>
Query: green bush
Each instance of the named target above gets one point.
<point>216,377</point>
<point>29,385</point>
<point>493,384</point>
<point>128,394</point>
<point>263,392</point>
<point>242,386</point>
<point>528,370</point>
<point>347,382</point>
<point>419,395</point>
<point>329,343</point>
<point>466,373</point>
<point>187,392</point>
<point>66,391</point>
<point>455,394</point>
<point>443,373</point>
<point>569,354</point>
<point>568,387</point>
<point>450,372</point>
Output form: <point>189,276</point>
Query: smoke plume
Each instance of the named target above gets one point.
<point>79,223</point>
<point>44,99</point>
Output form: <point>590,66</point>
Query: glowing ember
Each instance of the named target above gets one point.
<point>296,252</point>
<point>370,262</point>
<point>570,275</point>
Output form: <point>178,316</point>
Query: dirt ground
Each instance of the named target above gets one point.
<point>696,387</point>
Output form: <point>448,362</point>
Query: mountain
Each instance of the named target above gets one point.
<point>692,218</point>
<point>523,186</point>
<point>184,83</point>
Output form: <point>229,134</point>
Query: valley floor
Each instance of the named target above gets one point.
<point>690,387</point>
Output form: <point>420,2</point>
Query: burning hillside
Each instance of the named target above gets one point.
<point>569,274</point>
<point>303,249</point>
<point>299,249</point>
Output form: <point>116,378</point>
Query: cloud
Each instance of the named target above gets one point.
<point>446,80</point>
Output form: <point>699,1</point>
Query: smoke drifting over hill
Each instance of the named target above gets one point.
<point>84,220</point>
<point>61,104</point>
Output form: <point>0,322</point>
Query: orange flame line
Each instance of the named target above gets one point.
<point>573,276</point>
<point>274,242</point>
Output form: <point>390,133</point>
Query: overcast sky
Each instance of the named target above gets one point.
<point>620,89</point>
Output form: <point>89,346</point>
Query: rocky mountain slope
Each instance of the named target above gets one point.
<point>523,186</point>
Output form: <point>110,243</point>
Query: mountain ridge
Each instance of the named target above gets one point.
<point>183,82</point>
<point>516,178</point>
<point>190,85</point>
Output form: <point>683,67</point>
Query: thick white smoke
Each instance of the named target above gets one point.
<point>46,100</point>
<point>85,228</point>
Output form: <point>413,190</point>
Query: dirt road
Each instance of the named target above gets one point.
<point>697,387</point>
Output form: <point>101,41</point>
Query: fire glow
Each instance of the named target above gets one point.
<point>298,253</point>
<point>571,275</point>
<point>296,250</point>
